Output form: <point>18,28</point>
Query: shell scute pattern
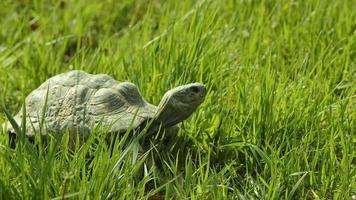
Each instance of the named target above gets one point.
<point>105,101</point>
<point>80,98</point>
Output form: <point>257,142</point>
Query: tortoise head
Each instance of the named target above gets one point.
<point>179,103</point>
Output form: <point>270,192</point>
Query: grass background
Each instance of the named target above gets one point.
<point>278,121</point>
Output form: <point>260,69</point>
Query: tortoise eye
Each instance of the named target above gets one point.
<point>195,89</point>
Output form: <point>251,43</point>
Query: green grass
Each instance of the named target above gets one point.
<point>279,120</point>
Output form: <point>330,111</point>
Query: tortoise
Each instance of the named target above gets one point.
<point>77,102</point>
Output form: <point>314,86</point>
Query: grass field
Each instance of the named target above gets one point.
<point>279,120</point>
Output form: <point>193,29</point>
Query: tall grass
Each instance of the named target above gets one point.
<point>278,121</point>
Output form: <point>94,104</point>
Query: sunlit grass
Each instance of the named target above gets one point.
<point>278,121</point>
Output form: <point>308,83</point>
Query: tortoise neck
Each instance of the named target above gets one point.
<point>168,116</point>
<point>164,119</point>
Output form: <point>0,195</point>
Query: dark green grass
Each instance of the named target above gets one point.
<point>278,121</point>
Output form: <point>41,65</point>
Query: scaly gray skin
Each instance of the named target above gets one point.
<point>77,101</point>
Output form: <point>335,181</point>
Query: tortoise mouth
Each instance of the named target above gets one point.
<point>203,91</point>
